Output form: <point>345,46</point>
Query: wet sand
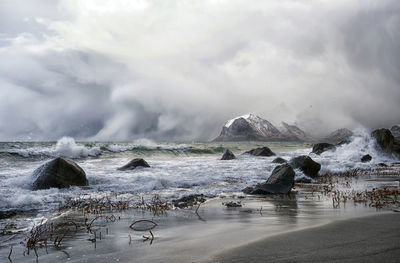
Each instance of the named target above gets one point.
<point>366,239</point>
<point>217,233</point>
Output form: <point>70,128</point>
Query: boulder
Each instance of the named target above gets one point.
<point>384,140</point>
<point>322,147</point>
<point>279,160</point>
<point>133,164</point>
<point>59,173</point>
<point>307,165</point>
<point>366,158</point>
<point>281,181</point>
<point>263,151</point>
<point>228,155</point>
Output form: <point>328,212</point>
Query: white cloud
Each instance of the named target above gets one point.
<point>179,69</point>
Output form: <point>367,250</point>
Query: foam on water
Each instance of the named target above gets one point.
<point>67,147</point>
<point>171,177</point>
<point>348,156</point>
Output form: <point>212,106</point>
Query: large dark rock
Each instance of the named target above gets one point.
<point>279,160</point>
<point>59,173</point>
<point>263,151</point>
<point>384,140</point>
<point>366,158</point>
<point>281,181</point>
<point>228,155</point>
<point>133,164</point>
<point>322,147</point>
<point>307,165</point>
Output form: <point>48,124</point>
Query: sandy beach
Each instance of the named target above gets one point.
<point>264,229</point>
<point>366,239</point>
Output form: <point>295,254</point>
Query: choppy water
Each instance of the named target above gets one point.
<point>177,169</point>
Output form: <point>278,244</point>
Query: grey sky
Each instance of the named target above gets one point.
<point>177,70</point>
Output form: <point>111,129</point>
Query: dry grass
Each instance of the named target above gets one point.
<point>90,214</point>
<point>338,187</point>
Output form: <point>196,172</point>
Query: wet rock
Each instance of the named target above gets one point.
<point>281,181</point>
<point>263,151</point>
<point>59,173</point>
<point>322,147</point>
<point>233,204</point>
<point>366,158</point>
<point>384,139</point>
<point>303,180</point>
<point>7,214</point>
<point>228,155</point>
<point>133,164</point>
<point>279,160</point>
<point>189,200</point>
<point>307,165</point>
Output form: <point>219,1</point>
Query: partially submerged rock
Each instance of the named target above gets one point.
<point>279,160</point>
<point>281,181</point>
<point>263,151</point>
<point>366,158</point>
<point>189,200</point>
<point>7,214</point>
<point>228,155</point>
<point>59,173</point>
<point>322,147</point>
<point>384,140</point>
<point>303,180</point>
<point>307,165</point>
<point>233,204</point>
<point>133,164</point>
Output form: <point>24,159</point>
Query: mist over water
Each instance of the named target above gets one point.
<point>72,68</point>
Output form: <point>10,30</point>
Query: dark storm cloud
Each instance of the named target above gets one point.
<point>177,70</point>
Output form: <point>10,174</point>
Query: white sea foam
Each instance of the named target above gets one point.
<point>170,176</point>
<point>67,147</point>
<point>348,156</point>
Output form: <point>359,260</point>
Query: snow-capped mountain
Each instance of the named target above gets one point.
<point>253,128</point>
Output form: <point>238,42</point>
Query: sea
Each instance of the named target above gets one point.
<point>177,169</point>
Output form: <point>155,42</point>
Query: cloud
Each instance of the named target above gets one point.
<point>176,70</point>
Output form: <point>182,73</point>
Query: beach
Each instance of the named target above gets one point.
<point>373,238</point>
<point>110,220</point>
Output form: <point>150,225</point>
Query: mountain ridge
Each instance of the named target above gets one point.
<point>250,127</point>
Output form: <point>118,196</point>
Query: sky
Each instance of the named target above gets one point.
<point>178,70</point>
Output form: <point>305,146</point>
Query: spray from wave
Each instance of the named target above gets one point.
<point>67,147</point>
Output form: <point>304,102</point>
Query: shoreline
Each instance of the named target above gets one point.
<point>372,238</point>
<point>184,236</point>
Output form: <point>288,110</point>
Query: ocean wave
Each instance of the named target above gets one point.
<point>67,147</point>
